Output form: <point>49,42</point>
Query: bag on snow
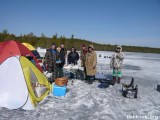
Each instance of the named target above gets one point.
<point>103,85</point>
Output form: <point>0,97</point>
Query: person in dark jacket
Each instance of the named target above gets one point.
<point>62,55</point>
<point>73,56</point>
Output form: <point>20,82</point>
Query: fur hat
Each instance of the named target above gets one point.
<point>83,45</point>
<point>91,46</point>
<point>119,47</point>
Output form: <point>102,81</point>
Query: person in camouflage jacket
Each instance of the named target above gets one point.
<point>83,53</point>
<point>50,59</point>
<point>116,64</point>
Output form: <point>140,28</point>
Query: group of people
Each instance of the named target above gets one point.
<point>55,61</point>
<point>89,61</point>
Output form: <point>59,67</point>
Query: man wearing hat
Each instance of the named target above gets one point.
<point>90,63</point>
<point>116,64</point>
<point>83,53</point>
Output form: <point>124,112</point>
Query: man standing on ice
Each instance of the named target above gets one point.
<point>62,57</point>
<point>90,63</point>
<point>83,58</point>
<point>50,60</point>
<point>116,64</point>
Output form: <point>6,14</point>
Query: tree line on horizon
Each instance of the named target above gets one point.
<point>46,42</point>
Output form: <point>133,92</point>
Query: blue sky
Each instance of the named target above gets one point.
<point>123,22</point>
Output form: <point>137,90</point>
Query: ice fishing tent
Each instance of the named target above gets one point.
<point>29,46</point>
<point>18,77</point>
<point>12,48</point>
<point>33,50</point>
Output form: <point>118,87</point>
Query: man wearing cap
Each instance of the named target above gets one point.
<point>116,64</point>
<point>90,63</point>
<point>83,58</point>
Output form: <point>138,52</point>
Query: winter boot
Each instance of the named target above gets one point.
<point>87,79</point>
<point>90,80</point>
<point>114,79</point>
<point>119,80</point>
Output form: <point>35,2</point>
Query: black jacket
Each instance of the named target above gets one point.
<point>73,57</point>
<point>62,55</point>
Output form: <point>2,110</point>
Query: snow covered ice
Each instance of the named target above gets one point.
<point>88,102</point>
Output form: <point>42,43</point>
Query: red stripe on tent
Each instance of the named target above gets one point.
<point>11,48</point>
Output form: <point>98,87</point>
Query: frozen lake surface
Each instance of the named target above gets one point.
<point>88,102</point>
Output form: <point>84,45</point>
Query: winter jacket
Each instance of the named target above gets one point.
<point>62,56</point>
<point>83,57</point>
<point>73,57</point>
<point>50,60</point>
<point>117,60</point>
<point>90,63</point>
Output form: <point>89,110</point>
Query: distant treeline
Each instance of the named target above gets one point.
<point>46,42</point>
